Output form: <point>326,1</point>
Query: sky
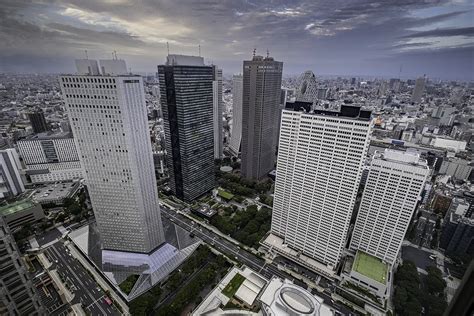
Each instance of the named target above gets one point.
<point>389,38</point>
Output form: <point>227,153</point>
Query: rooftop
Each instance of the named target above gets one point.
<point>16,207</point>
<point>370,266</point>
<point>49,135</point>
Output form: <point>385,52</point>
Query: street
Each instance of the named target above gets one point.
<point>82,285</point>
<point>236,253</point>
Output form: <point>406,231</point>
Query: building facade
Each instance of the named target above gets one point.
<point>392,191</point>
<point>11,183</point>
<point>17,293</point>
<point>218,106</point>
<point>109,119</point>
<point>260,106</point>
<point>320,161</point>
<point>187,101</point>
<point>236,135</point>
<point>418,90</point>
<point>37,121</point>
<point>50,157</point>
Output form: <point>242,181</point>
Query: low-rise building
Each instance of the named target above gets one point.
<point>55,193</point>
<point>20,213</point>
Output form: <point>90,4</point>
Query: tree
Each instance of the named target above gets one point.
<point>433,282</point>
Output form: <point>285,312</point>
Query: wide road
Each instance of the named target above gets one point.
<point>236,253</point>
<point>84,287</point>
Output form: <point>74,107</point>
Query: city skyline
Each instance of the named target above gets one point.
<point>330,38</point>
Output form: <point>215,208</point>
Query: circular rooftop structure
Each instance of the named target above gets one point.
<point>297,300</point>
<point>226,169</point>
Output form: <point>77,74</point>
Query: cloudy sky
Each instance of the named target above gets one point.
<point>340,37</point>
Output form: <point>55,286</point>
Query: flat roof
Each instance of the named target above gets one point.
<point>370,266</point>
<point>16,207</point>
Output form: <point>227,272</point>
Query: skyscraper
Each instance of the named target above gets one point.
<point>109,119</point>
<point>260,106</point>
<point>17,292</point>
<point>418,89</point>
<point>37,121</point>
<point>320,161</point>
<point>307,87</point>
<point>236,136</point>
<point>10,179</point>
<point>217,111</point>
<point>187,101</point>
<point>394,184</point>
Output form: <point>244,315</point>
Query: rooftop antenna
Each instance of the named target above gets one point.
<point>268,53</point>
<point>168,47</point>
<point>199,50</point>
<point>115,52</point>
<point>254,51</point>
<point>87,57</point>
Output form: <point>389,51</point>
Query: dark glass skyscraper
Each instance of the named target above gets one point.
<point>260,112</point>
<point>187,104</point>
<point>37,121</point>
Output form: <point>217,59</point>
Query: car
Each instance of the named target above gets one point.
<point>107,300</point>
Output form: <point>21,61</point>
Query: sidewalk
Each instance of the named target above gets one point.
<point>98,278</point>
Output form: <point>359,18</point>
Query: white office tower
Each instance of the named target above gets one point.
<point>108,116</point>
<point>236,135</point>
<point>50,157</point>
<point>418,89</point>
<point>394,184</point>
<point>218,106</point>
<point>319,167</point>
<point>109,120</point>
<point>10,179</point>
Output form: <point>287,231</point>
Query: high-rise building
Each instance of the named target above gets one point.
<point>50,157</point>
<point>217,111</point>
<point>187,102</point>
<point>418,90</point>
<point>236,135</point>
<point>11,183</point>
<point>307,87</point>
<point>37,121</point>
<point>392,191</point>
<point>260,109</point>
<point>320,162</point>
<point>17,293</point>
<point>109,119</point>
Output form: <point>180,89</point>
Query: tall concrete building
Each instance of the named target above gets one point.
<point>236,135</point>
<point>218,106</point>
<point>307,90</point>
<point>11,183</point>
<point>50,157</point>
<point>260,109</point>
<point>17,293</point>
<point>321,157</point>
<point>37,121</point>
<point>109,119</point>
<point>418,90</point>
<point>392,191</point>
<point>187,101</point>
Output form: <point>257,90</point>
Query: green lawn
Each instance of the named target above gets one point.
<point>233,285</point>
<point>226,195</point>
<point>370,266</point>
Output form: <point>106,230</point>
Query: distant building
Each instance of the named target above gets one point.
<point>320,162</point>
<point>50,157</point>
<point>459,169</point>
<point>187,101</point>
<point>218,107</point>
<point>20,213</point>
<point>394,185</point>
<point>11,183</point>
<point>37,121</point>
<point>418,90</point>
<point>457,238</point>
<point>307,89</point>
<point>449,144</point>
<point>236,135</point>
<point>260,105</point>
<point>17,292</point>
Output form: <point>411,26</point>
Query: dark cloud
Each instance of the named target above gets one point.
<point>464,31</point>
<point>328,36</point>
